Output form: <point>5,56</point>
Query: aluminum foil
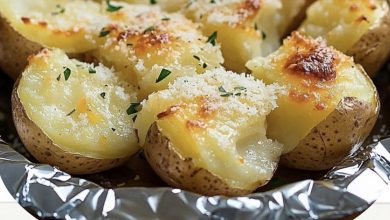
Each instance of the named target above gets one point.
<point>50,193</point>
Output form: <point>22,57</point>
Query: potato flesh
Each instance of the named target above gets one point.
<point>342,23</point>
<point>306,104</point>
<point>155,41</point>
<point>246,29</point>
<point>69,25</point>
<point>225,135</point>
<point>84,115</point>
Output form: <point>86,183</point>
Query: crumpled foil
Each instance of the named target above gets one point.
<point>346,189</point>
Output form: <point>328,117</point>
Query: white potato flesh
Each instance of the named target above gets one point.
<point>342,23</point>
<point>144,40</point>
<point>219,120</point>
<point>70,25</point>
<point>80,107</point>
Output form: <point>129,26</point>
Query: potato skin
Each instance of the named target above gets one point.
<point>334,138</point>
<point>373,48</point>
<point>14,50</point>
<point>180,172</point>
<point>45,151</point>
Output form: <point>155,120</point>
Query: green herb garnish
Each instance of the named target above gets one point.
<point>212,38</point>
<point>70,113</point>
<point>149,29</point>
<point>196,57</point>
<point>256,28</point>
<point>112,8</point>
<point>113,129</point>
<point>239,88</point>
<point>61,10</point>
<point>59,77</point>
<point>221,89</point>
<point>204,65</point>
<point>133,108</point>
<point>91,70</point>
<point>166,19</point>
<point>263,35</point>
<point>67,73</point>
<point>104,32</point>
<point>103,95</point>
<point>153,2</point>
<point>163,74</point>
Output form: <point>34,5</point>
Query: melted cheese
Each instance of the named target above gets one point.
<point>218,120</point>
<point>245,28</point>
<point>342,23</point>
<point>143,41</point>
<point>70,25</point>
<point>317,78</point>
<point>85,114</point>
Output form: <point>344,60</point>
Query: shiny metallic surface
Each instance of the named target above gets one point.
<point>49,193</point>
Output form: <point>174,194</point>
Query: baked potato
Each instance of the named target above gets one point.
<point>358,28</point>
<point>292,14</point>
<point>150,48</point>
<point>73,115</point>
<point>330,107</point>
<point>28,26</point>
<point>206,133</point>
<point>244,28</point>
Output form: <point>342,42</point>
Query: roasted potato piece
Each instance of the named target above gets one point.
<point>73,115</point>
<point>206,133</point>
<point>331,104</point>
<point>358,28</point>
<point>150,48</point>
<point>244,28</point>
<point>27,26</point>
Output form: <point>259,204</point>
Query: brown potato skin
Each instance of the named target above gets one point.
<point>14,50</point>
<point>334,138</point>
<point>180,172</point>
<point>373,48</point>
<point>45,151</point>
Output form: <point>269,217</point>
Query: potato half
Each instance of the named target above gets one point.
<point>206,133</point>
<point>28,26</point>
<point>73,115</point>
<point>331,104</point>
<point>244,28</point>
<point>358,28</point>
<point>150,48</point>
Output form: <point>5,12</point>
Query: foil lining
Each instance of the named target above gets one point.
<point>49,193</point>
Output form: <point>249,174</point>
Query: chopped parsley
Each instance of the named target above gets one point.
<point>70,113</point>
<point>227,94</point>
<point>153,2</point>
<point>67,73</point>
<point>149,29</point>
<point>204,65</point>
<point>104,32</point>
<point>91,70</point>
<point>103,95</point>
<point>239,88</point>
<point>256,28</point>
<point>113,129</point>
<point>112,8</point>
<point>212,38</point>
<point>129,45</point>
<point>263,35</point>
<point>196,57</point>
<point>221,89</point>
<point>61,10</point>
<point>163,74</point>
<point>133,108</point>
<point>212,1</point>
<point>166,19</point>
<point>59,77</point>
